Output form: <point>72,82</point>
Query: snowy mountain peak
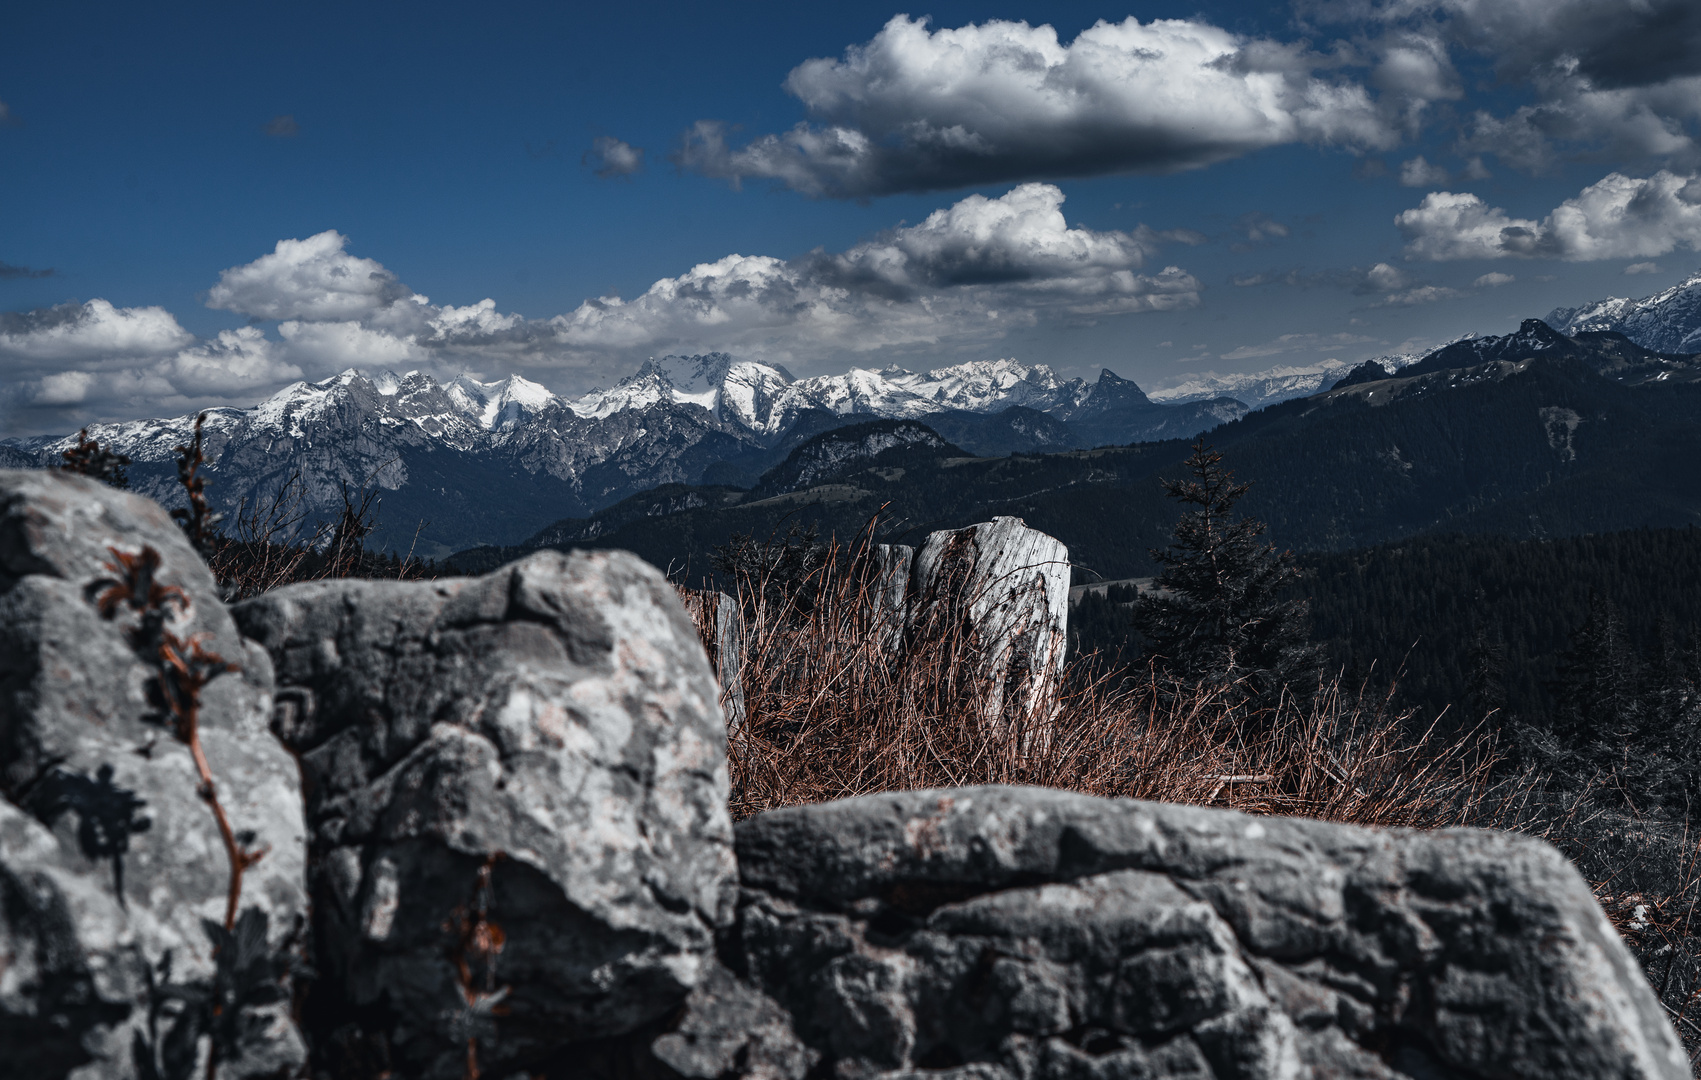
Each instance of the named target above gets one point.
<point>648,386</point>
<point>696,374</point>
<point>498,405</point>
<point>285,411</point>
<point>1669,321</point>
<point>750,392</point>
<point>147,440</point>
<point>514,401</point>
<point>979,385</point>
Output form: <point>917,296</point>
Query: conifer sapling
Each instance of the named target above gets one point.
<point>1219,612</point>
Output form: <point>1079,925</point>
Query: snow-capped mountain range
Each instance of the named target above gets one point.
<point>488,461</point>
<point>491,462</point>
<point>1668,321</point>
<point>764,398</point>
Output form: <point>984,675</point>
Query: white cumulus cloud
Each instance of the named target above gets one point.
<point>329,346</point>
<point>308,279</point>
<point>1628,123</point>
<point>94,330</point>
<point>971,269</point>
<point>1419,173</point>
<point>1617,217</point>
<point>917,109</point>
<point>610,157</point>
<point>1385,278</point>
<point>1612,43</point>
<point>1021,237</point>
<point>230,364</point>
<point>132,359</point>
<point>969,272</point>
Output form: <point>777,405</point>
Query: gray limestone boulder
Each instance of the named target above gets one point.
<point>516,798</point>
<point>1001,933</point>
<point>115,879</point>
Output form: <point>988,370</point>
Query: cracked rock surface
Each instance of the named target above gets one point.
<point>555,721</point>
<point>111,863</point>
<point>997,933</point>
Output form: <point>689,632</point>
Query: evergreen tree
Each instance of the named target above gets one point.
<point>1668,692</point>
<point>1219,612</point>
<point>1598,690</point>
<point>1485,684</point>
<point>1668,742</point>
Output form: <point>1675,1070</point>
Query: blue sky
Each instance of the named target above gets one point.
<point>151,160</point>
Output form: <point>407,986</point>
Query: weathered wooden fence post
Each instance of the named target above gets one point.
<point>1008,585</point>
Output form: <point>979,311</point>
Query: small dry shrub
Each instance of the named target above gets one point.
<point>275,541</point>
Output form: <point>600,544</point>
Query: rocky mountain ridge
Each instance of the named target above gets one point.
<point>765,398</point>
<point>495,461</point>
<point>1668,321</point>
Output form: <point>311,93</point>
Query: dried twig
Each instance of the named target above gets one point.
<point>478,944</point>
<point>98,462</point>
<point>199,520</point>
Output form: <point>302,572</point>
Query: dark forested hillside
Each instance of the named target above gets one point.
<point>1480,621</point>
<point>1453,609</point>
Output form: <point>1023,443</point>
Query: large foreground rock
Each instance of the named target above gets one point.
<point>541,745</point>
<point>998,933</point>
<point>112,868</point>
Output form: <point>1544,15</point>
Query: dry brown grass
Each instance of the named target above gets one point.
<point>834,709</point>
